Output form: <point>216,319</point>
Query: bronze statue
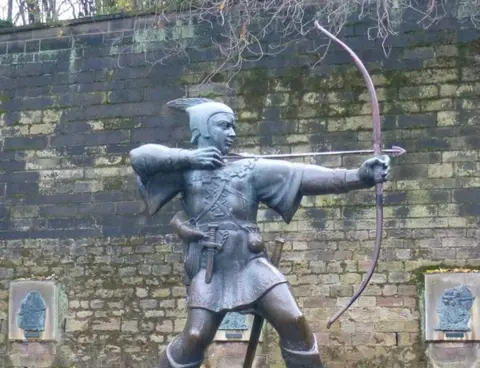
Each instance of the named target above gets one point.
<point>226,264</point>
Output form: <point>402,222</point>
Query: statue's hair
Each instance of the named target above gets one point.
<point>182,104</point>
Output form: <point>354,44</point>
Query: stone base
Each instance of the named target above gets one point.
<point>32,354</point>
<point>454,355</point>
<point>231,355</point>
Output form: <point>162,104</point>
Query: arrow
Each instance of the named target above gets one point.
<point>394,151</point>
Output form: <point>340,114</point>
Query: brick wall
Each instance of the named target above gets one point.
<point>76,99</point>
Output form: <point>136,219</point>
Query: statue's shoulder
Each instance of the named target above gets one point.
<point>257,166</point>
<point>241,168</point>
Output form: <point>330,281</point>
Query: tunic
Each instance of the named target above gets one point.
<point>229,197</point>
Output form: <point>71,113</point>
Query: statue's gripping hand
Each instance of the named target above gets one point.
<point>184,229</point>
<point>375,170</point>
<point>205,158</point>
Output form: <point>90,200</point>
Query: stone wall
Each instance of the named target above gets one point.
<point>74,101</point>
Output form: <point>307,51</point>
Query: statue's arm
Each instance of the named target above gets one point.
<point>150,159</point>
<point>321,180</point>
<point>184,229</point>
<point>281,185</point>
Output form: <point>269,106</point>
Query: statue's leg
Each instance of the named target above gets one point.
<point>187,349</point>
<point>297,341</point>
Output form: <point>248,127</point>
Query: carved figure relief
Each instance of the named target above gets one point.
<point>31,315</point>
<point>234,321</point>
<point>454,309</point>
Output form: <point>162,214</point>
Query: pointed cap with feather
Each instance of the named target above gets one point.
<point>199,111</point>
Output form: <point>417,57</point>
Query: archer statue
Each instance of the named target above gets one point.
<point>226,264</point>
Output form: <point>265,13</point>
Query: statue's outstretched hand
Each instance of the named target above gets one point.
<point>375,170</point>
<point>205,158</point>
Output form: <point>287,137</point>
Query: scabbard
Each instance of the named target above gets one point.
<point>212,247</point>
<point>209,265</point>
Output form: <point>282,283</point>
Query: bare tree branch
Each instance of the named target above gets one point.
<point>242,31</point>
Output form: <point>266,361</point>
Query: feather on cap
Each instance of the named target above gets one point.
<point>182,104</point>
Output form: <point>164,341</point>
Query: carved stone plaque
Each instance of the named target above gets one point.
<point>33,311</point>
<point>452,307</point>
<point>236,327</point>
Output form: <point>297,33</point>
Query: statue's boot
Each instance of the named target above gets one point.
<point>302,359</point>
<point>166,361</point>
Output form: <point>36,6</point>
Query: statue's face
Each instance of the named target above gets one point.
<point>221,128</point>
